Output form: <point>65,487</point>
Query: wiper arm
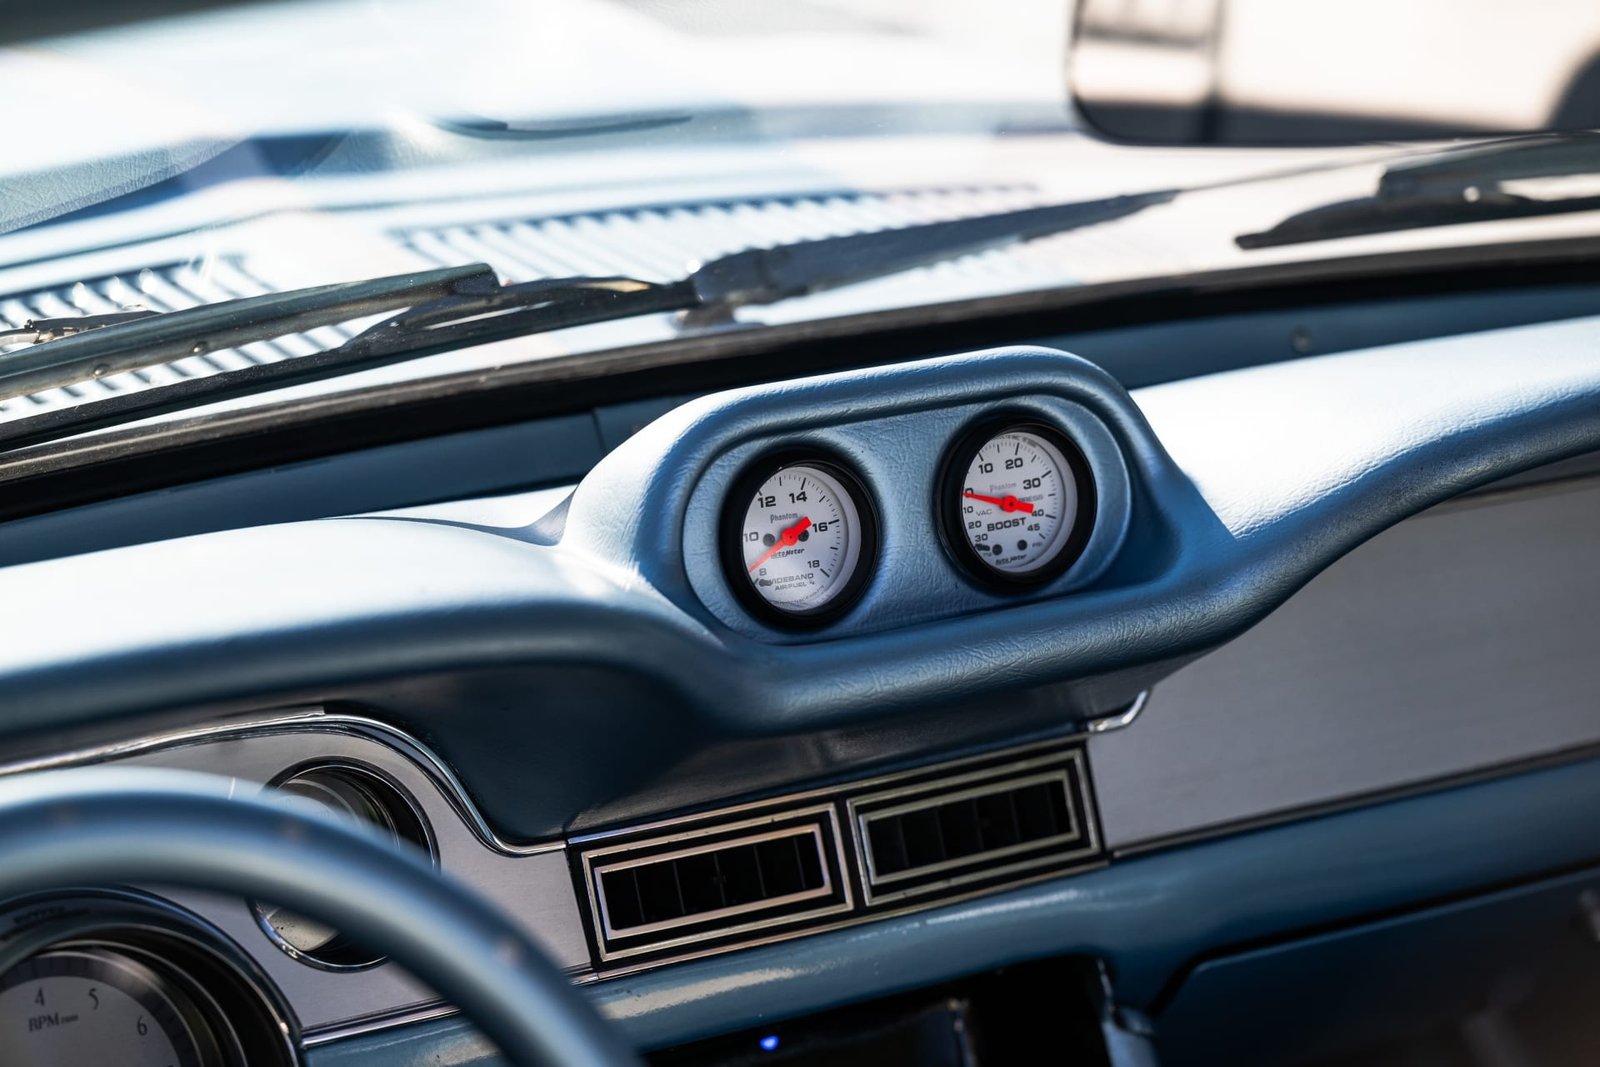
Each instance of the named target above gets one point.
<point>1448,188</point>
<point>38,331</point>
<point>466,305</point>
<point>130,340</point>
<point>718,287</point>
<point>767,275</point>
<point>1541,155</point>
<point>474,309</point>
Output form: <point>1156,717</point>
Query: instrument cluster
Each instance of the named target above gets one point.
<point>1013,508</point>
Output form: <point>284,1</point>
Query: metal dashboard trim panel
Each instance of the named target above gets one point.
<point>294,720</point>
<point>530,881</point>
<point>1363,683</point>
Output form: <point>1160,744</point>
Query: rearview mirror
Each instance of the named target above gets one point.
<point>1333,71</point>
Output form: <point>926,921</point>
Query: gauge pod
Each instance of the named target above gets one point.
<point>1016,502</point>
<point>799,539</point>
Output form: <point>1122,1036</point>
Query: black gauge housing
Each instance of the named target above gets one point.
<point>947,505</point>
<point>731,525</point>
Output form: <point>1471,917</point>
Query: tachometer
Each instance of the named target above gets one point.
<point>98,1006</point>
<point>1017,503</point>
<point>800,539</point>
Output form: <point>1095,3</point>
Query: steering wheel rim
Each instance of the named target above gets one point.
<point>101,826</point>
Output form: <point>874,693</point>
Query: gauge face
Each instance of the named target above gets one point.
<point>802,538</point>
<point>1019,503</point>
<point>92,1006</point>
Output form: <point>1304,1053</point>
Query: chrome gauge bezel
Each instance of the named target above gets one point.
<point>409,823</point>
<point>730,528</point>
<point>947,504</point>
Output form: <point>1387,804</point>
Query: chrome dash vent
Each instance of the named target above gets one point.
<point>788,866</point>
<point>654,894</point>
<point>961,832</point>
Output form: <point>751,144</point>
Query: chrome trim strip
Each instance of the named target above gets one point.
<point>167,739</point>
<point>819,814</point>
<point>1121,718</point>
<point>295,720</point>
<point>812,831</point>
<point>373,1024</point>
<point>984,874</point>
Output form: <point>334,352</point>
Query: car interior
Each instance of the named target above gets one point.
<point>681,532</point>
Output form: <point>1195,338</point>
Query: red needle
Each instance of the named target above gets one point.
<point>1004,503</point>
<point>788,539</point>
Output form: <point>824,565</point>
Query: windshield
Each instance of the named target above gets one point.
<point>353,88</point>
<point>254,149</point>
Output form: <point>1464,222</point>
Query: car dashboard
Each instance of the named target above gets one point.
<point>823,691</point>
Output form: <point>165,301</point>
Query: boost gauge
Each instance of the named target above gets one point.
<point>799,540</point>
<point>1017,503</point>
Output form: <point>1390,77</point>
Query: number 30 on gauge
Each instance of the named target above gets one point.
<point>1016,502</point>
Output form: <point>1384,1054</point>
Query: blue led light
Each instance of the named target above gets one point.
<point>769,1042</point>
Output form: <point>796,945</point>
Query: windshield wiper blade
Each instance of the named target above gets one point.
<point>461,306</point>
<point>38,331</point>
<point>515,310</point>
<point>1487,163</point>
<point>132,340</point>
<point>1449,188</point>
<point>474,311</point>
<point>767,275</point>
<point>712,291</point>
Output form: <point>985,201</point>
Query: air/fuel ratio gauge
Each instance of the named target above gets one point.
<point>1017,503</point>
<point>799,540</point>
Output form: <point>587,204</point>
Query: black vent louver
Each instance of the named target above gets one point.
<point>959,832</point>
<point>737,875</point>
<point>956,830</point>
<point>652,894</point>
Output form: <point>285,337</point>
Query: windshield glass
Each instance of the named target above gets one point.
<point>318,90</point>
<point>254,149</point>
